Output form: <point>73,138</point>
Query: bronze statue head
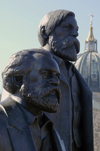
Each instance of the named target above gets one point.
<point>57,32</point>
<point>33,75</point>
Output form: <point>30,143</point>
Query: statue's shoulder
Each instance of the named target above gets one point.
<point>4,108</point>
<point>3,125</point>
<point>3,115</point>
<point>84,86</point>
<point>4,137</point>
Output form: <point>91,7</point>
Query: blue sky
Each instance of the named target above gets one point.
<point>19,20</point>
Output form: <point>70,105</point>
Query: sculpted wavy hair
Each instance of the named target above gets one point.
<point>49,22</point>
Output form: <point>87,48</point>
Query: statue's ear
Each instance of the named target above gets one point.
<point>17,81</point>
<point>43,33</point>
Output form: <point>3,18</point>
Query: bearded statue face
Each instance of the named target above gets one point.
<point>63,39</point>
<point>40,88</point>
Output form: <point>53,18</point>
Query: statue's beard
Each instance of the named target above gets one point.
<point>46,99</point>
<point>67,48</point>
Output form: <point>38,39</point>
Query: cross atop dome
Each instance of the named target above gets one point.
<point>91,42</point>
<point>91,18</point>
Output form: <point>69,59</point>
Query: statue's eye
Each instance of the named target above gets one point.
<point>45,74</point>
<point>66,26</point>
<point>58,75</point>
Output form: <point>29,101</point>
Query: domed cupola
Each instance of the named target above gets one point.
<point>88,63</point>
<point>91,42</point>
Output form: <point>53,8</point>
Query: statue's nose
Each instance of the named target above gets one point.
<point>74,32</point>
<point>54,80</point>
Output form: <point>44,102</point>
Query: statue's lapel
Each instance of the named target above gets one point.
<point>21,139</point>
<point>19,131</point>
<point>62,77</point>
<point>62,67</point>
<point>58,141</point>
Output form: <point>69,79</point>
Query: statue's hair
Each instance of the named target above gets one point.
<point>19,64</point>
<point>50,21</point>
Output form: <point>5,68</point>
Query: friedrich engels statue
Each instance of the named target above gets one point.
<point>57,34</point>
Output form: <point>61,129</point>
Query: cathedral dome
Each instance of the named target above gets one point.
<point>88,63</point>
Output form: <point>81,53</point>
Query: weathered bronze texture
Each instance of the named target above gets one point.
<point>57,34</point>
<point>32,79</point>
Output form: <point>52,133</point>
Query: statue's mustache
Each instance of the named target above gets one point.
<point>43,92</point>
<point>51,89</point>
<point>69,41</point>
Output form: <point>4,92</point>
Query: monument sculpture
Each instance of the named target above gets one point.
<point>57,34</point>
<point>32,79</point>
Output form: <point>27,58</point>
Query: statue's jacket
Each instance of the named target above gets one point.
<point>66,119</point>
<point>15,134</point>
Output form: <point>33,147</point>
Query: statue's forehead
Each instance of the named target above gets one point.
<point>45,62</point>
<point>69,20</point>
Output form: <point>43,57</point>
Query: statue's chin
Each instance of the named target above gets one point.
<point>51,106</point>
<point>68,53</point>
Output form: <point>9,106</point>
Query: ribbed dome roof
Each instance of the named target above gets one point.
<point>88,64</point>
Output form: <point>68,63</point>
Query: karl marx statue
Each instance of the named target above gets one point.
<point>32,79</point>
<point>57,34</point>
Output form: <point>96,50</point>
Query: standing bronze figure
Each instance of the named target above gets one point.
<point>32,79</point>
<point>57,34</point>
